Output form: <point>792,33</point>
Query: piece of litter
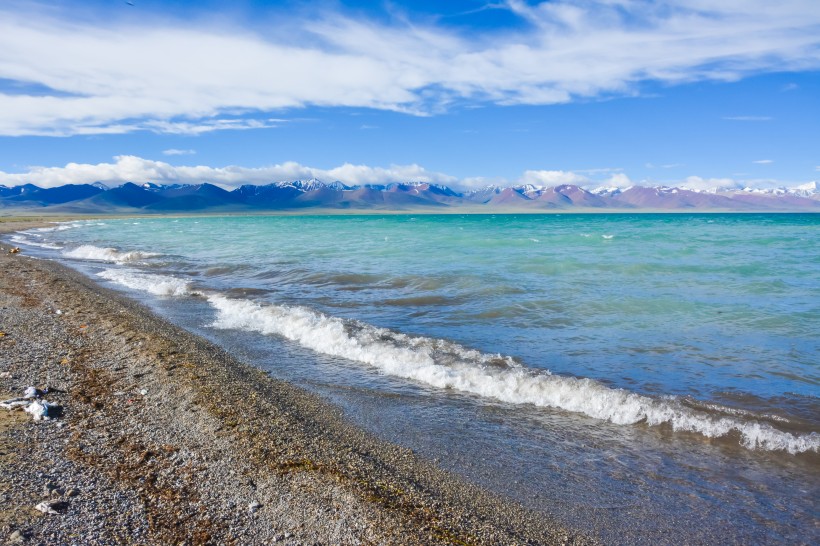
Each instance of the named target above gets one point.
<point>32,392</point>
<point>254,506</point>
<point>59,312</point>
<point>40,409</point>
<point>55,507</point>
<point>14,403</point>
<point>143,392</point>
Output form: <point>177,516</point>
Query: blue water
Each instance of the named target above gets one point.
<point>604,369</point>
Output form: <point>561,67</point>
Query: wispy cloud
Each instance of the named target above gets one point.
<point>179,76</point>
<point>764,161</point>
<point>174,151</point>
<point>703,184</point>
<point>748,118</point>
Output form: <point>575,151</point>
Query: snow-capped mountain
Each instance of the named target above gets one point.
<point>314,193</point>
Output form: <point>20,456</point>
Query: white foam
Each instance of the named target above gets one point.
<point>158,285</point>
<point>20,240</point>
<point>447,365</point>
<point>95,253</point>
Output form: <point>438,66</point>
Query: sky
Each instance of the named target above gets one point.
<point>468,93</point>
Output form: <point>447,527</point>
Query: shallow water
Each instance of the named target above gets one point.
<point>649,377</point>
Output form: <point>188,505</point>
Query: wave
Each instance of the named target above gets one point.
<point>158,285</point>
<point>95,253</point>
<point>446,365</point>
<point>18,239</point>
<point>59,226</point>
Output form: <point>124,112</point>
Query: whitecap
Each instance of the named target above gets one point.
<point>95,253</point>
<point>446,365</point>
<point>158,285</point>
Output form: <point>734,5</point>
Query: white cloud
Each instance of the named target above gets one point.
<point>191,77</point>
<point>174,151</point>
<point>618,180</point>
<point>552,178</point>
<point>705,184</point>
<point>129,168</point>
<point>764,161</point>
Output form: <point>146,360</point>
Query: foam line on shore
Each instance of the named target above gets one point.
<point>446,365</point>
<point>158,285</point>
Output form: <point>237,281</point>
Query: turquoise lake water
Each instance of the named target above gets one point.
<point>600,368</point>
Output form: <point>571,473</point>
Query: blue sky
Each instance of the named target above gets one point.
<point>463,92</point>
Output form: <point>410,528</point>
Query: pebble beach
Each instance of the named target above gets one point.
<point>160,437</point>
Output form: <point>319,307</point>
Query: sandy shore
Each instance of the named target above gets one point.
<point>167,439</point>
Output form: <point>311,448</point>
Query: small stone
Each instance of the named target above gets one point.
<point>53,490</point>
<point>16,538</point>
<point>72,492</point>
<point>253,507</point>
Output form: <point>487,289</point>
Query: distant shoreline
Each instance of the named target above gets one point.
<point>40,218</point>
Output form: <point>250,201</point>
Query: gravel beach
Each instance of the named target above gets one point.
<point>163,438</point>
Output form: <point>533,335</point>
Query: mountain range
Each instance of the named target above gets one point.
<point>315,194</point>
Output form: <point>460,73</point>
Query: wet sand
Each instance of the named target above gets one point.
<point>167,439</point>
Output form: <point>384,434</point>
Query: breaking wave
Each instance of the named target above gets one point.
<point>158,285</point>
<point>446,365</point>
<point>95,253</point>
<point>20,240</point>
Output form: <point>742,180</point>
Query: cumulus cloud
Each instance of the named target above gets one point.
<point>552,178</point>
<point>74,76</point>
<point>129,168</point>
<point>619,180</point>
<point>174,151</point>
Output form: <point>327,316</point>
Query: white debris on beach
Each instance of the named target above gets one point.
<point>30,403</point>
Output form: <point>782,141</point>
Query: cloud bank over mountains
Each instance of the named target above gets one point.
<point>130,168</point>
<point>73,77</point>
